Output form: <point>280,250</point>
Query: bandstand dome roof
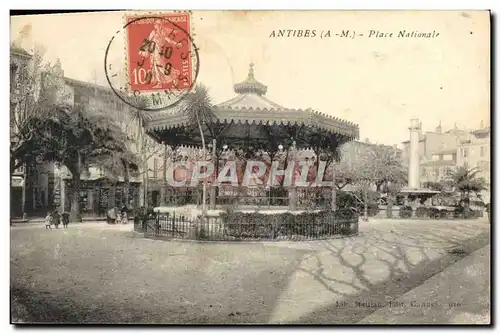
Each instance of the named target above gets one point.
<point>251,106</point>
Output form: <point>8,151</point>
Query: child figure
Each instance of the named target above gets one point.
<point>124,217</point>
<point>48,221</point>
<point>118,216</point>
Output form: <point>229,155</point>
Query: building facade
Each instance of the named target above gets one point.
<point>47,185</point>
<point>442,152</point>
<point>19,69</point>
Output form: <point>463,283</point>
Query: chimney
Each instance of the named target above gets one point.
<point>439,129</point>
<point>420,130</point>
<point>367,141</point>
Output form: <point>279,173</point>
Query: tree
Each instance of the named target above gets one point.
<point>344,175</point>
<point>390,174</point>
<point>382,167</point>
<point>466,182</point>
<point>198,106</point>
<point>32,100</point>
<point>74,137</point>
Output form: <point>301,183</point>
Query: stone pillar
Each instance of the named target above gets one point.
<point>334,190</point>
<point>141,195</point>
<point>414,165</point>
<point>63,194</point>
<point>163,183</point>
<point>90,200</point>
<point>213,186</point>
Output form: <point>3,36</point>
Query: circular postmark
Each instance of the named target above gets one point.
<point>160,63</point>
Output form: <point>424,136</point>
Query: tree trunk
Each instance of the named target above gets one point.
<point>163,188</point>
<point>390,201</point>
<point>213,189</point>
<point>467,201</point>
<point>75,198</point>
<point>334,191</point>
<point>23,196</point>
<point>126,188</point>
<point>204,194</point>
<point>365,195</point>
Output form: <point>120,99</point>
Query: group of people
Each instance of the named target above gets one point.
<point>54,218</point>
<point>116,216</point>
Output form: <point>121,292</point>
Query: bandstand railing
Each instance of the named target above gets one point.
<point>239,226</point>
<point>256,196</point>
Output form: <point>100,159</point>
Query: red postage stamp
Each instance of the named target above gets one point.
<point>159,49</point>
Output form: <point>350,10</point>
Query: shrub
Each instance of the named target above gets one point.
<point>405,211</point>
<point>461,213</point>
<point>444,214</point>
<point>271,226</point>
<point>434,213</point>
<point>373,209</point>
<point>422,212</point>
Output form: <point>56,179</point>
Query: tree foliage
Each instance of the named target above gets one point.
<point>74,137</point>
<point>467,183</point>
<point>31,100</point>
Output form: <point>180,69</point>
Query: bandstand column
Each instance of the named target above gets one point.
<point>213,185</point>
<point>164,179</point>
<point>292,190</point>
<point>334,191</point>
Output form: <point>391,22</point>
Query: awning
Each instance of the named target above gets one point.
<point>17,181</point>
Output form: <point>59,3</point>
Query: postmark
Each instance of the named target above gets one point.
<point>161,61</point>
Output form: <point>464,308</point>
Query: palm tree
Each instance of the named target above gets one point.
<point>466,182</point>
<point>198,106</point>
<point>74,137</point>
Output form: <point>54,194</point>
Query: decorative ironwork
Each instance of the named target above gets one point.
<point>278,227</point>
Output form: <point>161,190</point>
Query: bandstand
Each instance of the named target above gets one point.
<point>252,125</point>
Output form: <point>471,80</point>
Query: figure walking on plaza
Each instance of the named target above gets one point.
<point>56,218</point>
<point>124,216</point>
<point>65,219</point>
<point>48,221</point>
<point>111,216</point>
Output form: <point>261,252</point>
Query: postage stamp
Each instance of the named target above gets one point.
<point>161,59</point>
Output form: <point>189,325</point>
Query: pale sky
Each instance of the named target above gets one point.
<point>377,83</point>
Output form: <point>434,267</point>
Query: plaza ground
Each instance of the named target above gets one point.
<point>98,273</point>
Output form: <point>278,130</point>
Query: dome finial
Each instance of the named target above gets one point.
<point>250,85</point>
<point>250,71</point>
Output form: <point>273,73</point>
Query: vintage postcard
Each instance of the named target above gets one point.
<point>250,167</point>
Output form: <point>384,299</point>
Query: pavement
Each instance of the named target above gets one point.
<point>97,273</point>
<point>42,219</point>
<point>460,294</point>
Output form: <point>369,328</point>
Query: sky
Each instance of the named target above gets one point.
<point>379,83</point>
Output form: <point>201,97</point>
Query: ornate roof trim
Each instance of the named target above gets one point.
<point>306,117</point>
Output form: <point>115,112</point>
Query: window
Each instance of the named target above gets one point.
<point>464,152</point>
<point>13,77</point>
<point>482,151</point>
<point>81,99</point>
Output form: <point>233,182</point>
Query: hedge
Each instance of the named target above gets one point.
<point>308,224</point>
